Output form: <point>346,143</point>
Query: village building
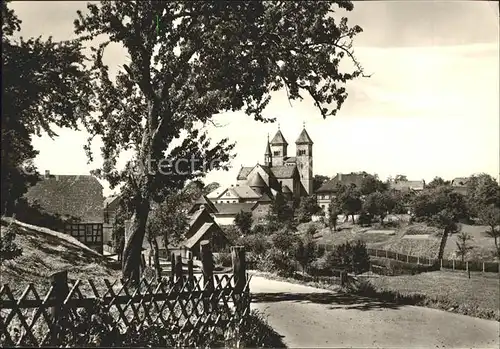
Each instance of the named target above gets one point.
<point>75,199</point>
<point>328,190</point>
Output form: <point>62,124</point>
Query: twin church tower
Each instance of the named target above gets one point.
<point>277,160</point>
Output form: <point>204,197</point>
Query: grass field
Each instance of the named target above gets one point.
<point>448,289</point>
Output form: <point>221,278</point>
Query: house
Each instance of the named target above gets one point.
<point>327,191</point>
<point>224,213</point>
<point>110,209</point>
<point>201,226</point>
<point>408,186</point>
<point>460,184</point>
<point>75,198</point>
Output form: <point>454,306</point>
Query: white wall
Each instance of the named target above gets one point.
<point>224,220</point>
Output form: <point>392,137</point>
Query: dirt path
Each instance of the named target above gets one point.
<point>311,317</point>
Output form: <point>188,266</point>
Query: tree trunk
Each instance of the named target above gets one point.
<point>156,258</point>
<point>442,245</point>
<point>131,260</point>
<point>353,221</point>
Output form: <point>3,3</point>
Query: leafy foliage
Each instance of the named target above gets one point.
<point>490,216</point>
<point>353,258</point>
<point>482,191</point>
<point>433,201</point>
<point>333,212</point>
<point>379,204</point>
<point>206,58</point>
<point>8,248</point>
<point>44,85</point>
<point>318,181</point>
<point>437,182</point>
<point>280,214</point>
<point>371,184</point>
<point>308,207</point>
<point>348,199</point>
<point>463,247</point>
<point>243,221</point>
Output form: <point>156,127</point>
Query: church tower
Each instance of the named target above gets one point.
<point>267,155</point>
<point>278,149</point>
<point>305,160</point>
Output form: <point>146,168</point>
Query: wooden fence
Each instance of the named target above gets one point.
<point>481,266</point>
<point>191,309</point>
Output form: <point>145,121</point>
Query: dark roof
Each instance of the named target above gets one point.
<point>257,181</point>
<point>283,171</point>
<point>268,147</point>
<point>279,139</point>
<point>244,171</point>
<point>346,179</point>
<point>304,138</point>
<point>78,196</point>
<point>203,201</point>
<point>264,198</point>
<point>199,235</point>
<point>234,208</point>
<point>291,159</point>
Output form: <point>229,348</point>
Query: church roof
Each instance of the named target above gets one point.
<point>280,172</point>
<point>304,138</point>
<point>257,181</point>
<point>234,208</point>
<point>291,159</point>
<point>283,172</point>
<point>279,139</point>
<point>268,147</point>
<point>244,191</point>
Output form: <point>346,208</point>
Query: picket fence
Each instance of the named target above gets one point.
<point>190,308</point>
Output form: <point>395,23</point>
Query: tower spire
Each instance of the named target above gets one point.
<point>303,124</point>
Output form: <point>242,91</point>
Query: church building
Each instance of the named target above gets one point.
<point>290,175</point>
<point>257,186</point>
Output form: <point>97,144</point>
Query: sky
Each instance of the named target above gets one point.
<point>430,107</point>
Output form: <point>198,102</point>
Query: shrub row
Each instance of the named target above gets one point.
<point>387,266</point>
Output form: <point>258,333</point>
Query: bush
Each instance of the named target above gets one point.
<point>257,243</point>
<point>276,261</point>
<point>223,259</point>
<point>364,219</point>
<point>231,232</point>
<point>8,248</point>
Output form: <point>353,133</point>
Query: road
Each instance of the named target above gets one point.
<point>308,317</point>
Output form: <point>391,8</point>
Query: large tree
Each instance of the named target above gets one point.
<point>44,84</point>
<point>191,60</point>
<point>482,190</point>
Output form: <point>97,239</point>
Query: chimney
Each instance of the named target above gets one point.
<point>339,175</point>
<point>47,173</point>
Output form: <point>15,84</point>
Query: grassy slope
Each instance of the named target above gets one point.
<point>481,290</point>
<point>45,252</point>
<point>483,245</point>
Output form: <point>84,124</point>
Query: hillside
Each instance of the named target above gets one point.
<point>412,239</point>
<point>46,251</point>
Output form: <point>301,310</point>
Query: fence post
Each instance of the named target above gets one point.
<point>190,271</point>
<point>207,267</point>
<point>376,253</point>
<point>59,282</point>
<point>172,267</point>
<point>240,277</point>
<point>418,259</point>
<point>453,264</point>
<point>441,264</point>
<point>483,267</point>
<point>407,259</point>
<point>386,254</point>
<point>178,270</point>
<point>397,256</point>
